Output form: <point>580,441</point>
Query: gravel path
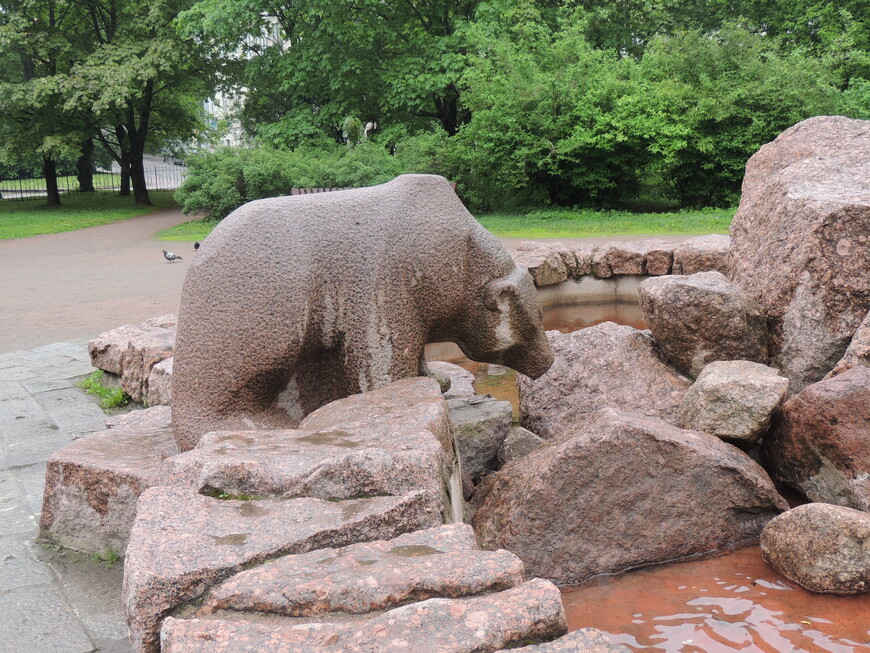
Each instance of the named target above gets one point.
<point>74,285</point>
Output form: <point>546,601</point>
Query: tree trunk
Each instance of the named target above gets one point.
<point>124,155</point>
<point>49,171</point>
<point>125,181</point>
<point>137,178</point>
<point>137,135</point>
<point>85,167</point>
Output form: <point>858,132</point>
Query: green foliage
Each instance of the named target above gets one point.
<point>109,397</point>
<point>220,182</point>
<point>107,558</point>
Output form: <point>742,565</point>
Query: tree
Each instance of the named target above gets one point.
<point>306,64</point>
<point>32,118</point>
<point>136,71</point>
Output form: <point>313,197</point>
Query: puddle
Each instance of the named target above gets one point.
<point>333,438</point>
<point>251,510</point>
<point>414,550</point>
<point>234,539</point>
<point>731,603</point>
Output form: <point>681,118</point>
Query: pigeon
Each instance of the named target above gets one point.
<point>196,245</point>
<point>169,256</point>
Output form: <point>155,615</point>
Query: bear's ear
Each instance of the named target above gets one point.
<point>498,293</point>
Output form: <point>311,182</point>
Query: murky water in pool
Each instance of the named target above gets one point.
<point>730,603</point>
<point>733,602</point>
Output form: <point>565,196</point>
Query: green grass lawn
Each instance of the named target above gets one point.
<point>558,223</point>
<point>19,219</point>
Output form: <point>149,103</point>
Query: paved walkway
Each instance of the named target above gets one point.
<point>52,601</point>
<point>75,285</point>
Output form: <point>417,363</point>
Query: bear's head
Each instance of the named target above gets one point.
<point>505,326</point>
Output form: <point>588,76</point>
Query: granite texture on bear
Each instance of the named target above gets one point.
<point>268,332</point>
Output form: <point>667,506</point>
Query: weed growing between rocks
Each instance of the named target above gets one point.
<point>109,397</point>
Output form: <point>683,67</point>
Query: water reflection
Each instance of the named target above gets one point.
<point>731,603</point>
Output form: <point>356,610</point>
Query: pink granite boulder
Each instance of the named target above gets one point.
<point>604,365</point>
<point>820,441</point>
<point>159,387</point>
<point>545,264</point>
<point>441,562</point>
<point>461,380</point>
<point>858,351</point>
<point>131,351</point>
<point>702,254</point>
<point>801,242</point>
<point>92,485</point>
<point>401,445</point>
<point>531,612</point>
<point>821,547</point>
<point>702,318</point>
<point>480,425</point>
<point>733,400</point>
<point>619,491</point>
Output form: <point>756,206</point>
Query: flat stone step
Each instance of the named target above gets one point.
<point>387,442</point>
<point>183,542</point>
<point>92,485</point>
<point>530,612</point>
<point>441,562</point>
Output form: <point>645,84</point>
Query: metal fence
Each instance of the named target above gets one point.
<point>24,188</point>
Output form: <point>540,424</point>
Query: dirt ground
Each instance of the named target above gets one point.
<point>75,285</point>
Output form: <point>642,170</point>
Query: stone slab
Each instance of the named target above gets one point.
<point>441,562</point>
<point>183,542</point>
<point>531,612</point>
<point>93,484</point>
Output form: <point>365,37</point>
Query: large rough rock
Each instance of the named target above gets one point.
<point>801,241</point>
<point>531,612</point>
<point>480,425</point>
<point>702,318</point>
<point>93,484</point>
<point>821,547</point>
<point>733,400</point>
<point>858,351</point>
<point>653,257</point>
<point>159,389</point>
<point>461,380</point>
<point>415,266</point>
<point>820,442</point>
<point>400,442</point>
<point>518,443</point>
<point>604,365</point>
<point>182,543</point>
<point>584,640</point>
<point>131,352</point>
<point>620,491</point>
<point>441,562</point>
<point>702,254</point>
<point>545,264</point>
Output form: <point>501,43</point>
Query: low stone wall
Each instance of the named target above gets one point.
<point>554,263</point>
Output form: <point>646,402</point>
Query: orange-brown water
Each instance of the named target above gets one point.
<point>734,602</point>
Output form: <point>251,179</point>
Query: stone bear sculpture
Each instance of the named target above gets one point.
<point>293,302</point>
